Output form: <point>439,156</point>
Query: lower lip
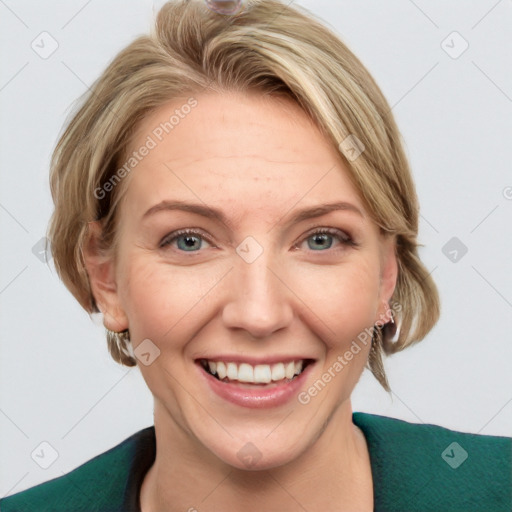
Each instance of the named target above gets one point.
<point>257,397</point>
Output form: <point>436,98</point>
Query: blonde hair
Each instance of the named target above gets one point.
<point>275,50</point>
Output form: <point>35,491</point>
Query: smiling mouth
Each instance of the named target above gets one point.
<point>260,374</point>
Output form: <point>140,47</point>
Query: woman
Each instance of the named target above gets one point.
<point>233,197</point>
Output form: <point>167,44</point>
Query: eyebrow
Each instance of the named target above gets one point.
<point>200,209</point>
<point>214,213</point>
<point>318,211</point>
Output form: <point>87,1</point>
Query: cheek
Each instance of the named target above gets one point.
<point>343,299</point>
<point>170,305</point>
<point>161,302</point>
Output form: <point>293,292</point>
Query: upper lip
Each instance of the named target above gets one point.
<point>253,361</point>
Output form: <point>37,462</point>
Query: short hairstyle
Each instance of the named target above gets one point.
<point>268,48</point>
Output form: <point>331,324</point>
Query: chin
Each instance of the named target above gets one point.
<point>257,452</point>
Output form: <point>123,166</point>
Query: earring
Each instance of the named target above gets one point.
<point>120,347</point>
<point>390,328</point>
<point>375,358</point>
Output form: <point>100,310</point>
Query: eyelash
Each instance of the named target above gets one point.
<point>168,239</point>
<point>344,238</point>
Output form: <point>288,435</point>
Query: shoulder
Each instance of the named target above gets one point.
<point>99,484</point>
<point>429,467</point>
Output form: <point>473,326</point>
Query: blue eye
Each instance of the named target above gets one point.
<point>320,241</point>
<point>186,241</point>
<point>327,238</point>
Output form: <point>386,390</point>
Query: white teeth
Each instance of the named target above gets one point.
<point>259,374</point>
<point>221,370</point>
<point>290,370</point>
<point>232,371</point>
<point>245,373</point>
<point>278,372</point>
<point>262,374</point>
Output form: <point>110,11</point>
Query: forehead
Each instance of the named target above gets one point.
<point>236,149</point>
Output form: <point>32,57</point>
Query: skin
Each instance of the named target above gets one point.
<point>258,160</point>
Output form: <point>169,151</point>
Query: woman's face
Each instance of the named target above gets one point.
<point>245,247</point>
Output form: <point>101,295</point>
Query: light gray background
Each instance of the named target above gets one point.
<point>58,383</point>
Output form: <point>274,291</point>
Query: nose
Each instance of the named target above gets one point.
<point>260,302</point>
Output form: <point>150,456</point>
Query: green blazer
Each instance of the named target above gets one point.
<point>415,467</point>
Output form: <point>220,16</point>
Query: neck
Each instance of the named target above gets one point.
<point>333,473</point>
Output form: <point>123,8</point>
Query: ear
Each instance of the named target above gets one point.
<point>101,271</point>
<point>388,278</point>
